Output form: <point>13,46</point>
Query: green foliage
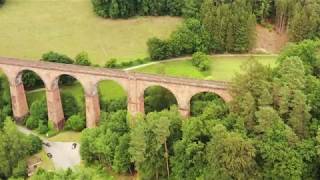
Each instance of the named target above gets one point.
<point>5,100</point>
<point>112,63</point>
<point>305,21</point>
<point>152,141</point>
<point>129,8</point>
<point>20,170</point>
<point>36,144</point>
<point>14,148</point>
<point>32,122</point>
<point>158,49</point>
<point>94,173</point>
<point>201,61</point>
<point>223,156</point>
<point>189,160</point>
<point>108,144</point>
<point>31,80</point>
<point>191,8</point>
<point>38,115</point>
<point>82,59</point>
<point>203,102</point>
<point>113,105</point>
<point>69,105</point>
<point>75,123</point>
<point>187,39</point>
<point>230,25</point>
<point>307,51</point>
<point>39,110</point>
<point>157,98</point>
<point>56,58</point>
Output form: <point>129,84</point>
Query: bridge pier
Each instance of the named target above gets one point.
<point>92,110</point>
<point>19,101</point>
<point>55,110</point>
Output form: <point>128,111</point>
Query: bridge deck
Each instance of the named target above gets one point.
<point>98,71</point>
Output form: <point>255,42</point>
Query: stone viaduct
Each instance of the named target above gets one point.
<point>134,84</point>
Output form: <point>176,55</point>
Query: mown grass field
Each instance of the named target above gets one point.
<point>221,67</point>
<point>29,28</point>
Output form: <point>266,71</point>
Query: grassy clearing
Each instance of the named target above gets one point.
<point>30,28</point>
<point>222,68</point>
<point>66,136</point>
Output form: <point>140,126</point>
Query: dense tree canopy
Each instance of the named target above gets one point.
<point>129,8</point>
<point>14,148</point>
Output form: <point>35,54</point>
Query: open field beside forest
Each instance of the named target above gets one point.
<point>222,68</point>
<point>30,28</point>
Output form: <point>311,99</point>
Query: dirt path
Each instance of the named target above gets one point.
<point>269,41</point>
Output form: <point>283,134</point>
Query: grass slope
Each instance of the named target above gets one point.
<point>29,28</point>
<point>222,68</point>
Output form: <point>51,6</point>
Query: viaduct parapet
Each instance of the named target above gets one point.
<point>133,83</point>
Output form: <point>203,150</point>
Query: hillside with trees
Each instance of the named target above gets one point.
<point>269,130</point>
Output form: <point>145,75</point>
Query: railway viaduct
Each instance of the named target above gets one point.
<point>134,84</point>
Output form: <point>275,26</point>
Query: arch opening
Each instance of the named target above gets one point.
<point>72,96</point>
<point>158,98</point>
<point>36,99</point>
<point>112,98</point>
<point>209,103</point>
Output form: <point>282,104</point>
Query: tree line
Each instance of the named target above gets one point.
<point>211,27</point>
<point>129,8</point>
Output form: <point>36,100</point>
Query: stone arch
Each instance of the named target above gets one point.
<point>20,73</point>
<point>56,86</point>
<point>167,89</point>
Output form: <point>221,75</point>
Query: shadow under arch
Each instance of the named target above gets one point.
<point>158,98</point>
<point>72,95</point>
<point>204,101</point>
<point>112,96</point>
<point>33,85</point>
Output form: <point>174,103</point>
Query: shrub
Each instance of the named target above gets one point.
<point>201,61</point>
<point>114,105</point>
<point>2,2</point>
<point>42,127</point>
<point>158,49</point>
<point>32,122</point>
<point>56,58</point>
<point>82,59</point>
<point>69,104</point>
<point>35,144</point>
<point>20,170</point>
<point>39,111</point>
<point>75,123</point>
<point>112,63</point>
